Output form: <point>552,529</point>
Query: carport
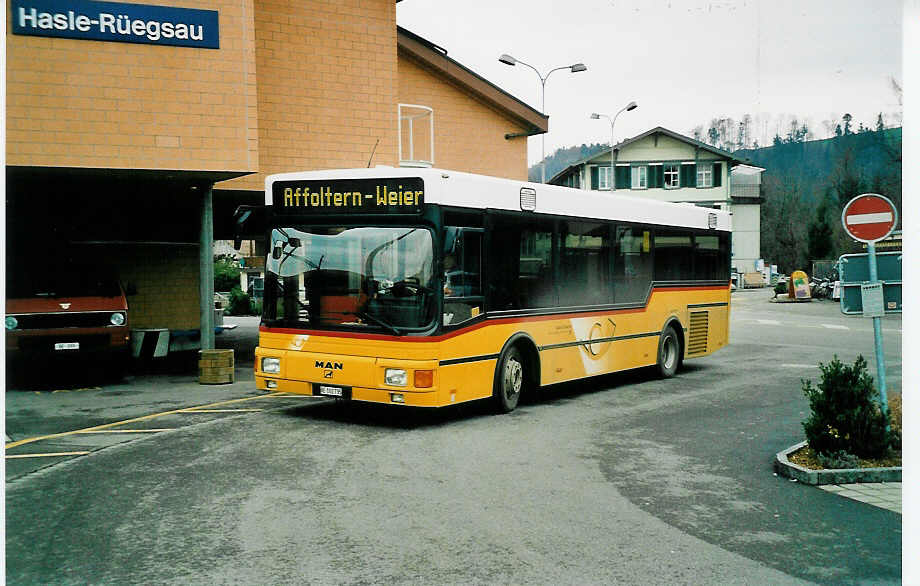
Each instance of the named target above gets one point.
<point>155,228</point>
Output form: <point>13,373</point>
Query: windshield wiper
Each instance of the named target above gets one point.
<point>376,320</point>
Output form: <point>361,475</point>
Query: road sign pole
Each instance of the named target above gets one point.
<point>877,329</point>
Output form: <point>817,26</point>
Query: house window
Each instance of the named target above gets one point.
<point>704,175</point>
<point>640,177</point>
<point>671,175</point>
<point>603,177</point>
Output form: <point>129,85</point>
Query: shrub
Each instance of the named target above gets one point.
<point>838,460</point>
<point>240,303</point>
<point>779,288</point>
<point>226,274</point>
<point>845,413</point>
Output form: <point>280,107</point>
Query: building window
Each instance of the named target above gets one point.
<point>704,175</point>
<point>640,177</point>
<point>671,175</point>
<point>603,177</point>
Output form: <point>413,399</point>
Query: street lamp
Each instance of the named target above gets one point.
<point>574,68</point>
<point>595,116</point>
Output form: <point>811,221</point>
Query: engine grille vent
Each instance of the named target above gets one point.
<point>699,332</point>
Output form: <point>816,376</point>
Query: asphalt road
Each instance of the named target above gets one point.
<point>622,479</point>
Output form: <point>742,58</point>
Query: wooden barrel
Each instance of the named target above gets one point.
<point>215,367</point>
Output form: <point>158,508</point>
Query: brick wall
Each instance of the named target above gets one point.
<point>79,103</point>
<point>327,85</point>
<point>166,278</point>
<point>468,135</point>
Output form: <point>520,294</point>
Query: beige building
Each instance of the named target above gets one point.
<point>663,165</point>
<point>132,148</point>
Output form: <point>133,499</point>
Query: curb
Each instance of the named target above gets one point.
<point>843,476</point>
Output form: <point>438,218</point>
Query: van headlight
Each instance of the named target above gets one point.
<point>271,365</point>
<point>396,377</point>
<point>117,319</point>
<point>11,322</point>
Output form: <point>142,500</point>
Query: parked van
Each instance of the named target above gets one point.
<point>68,311</point>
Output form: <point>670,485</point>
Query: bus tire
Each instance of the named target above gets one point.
<point>669,353</point>
<point>509,380</point>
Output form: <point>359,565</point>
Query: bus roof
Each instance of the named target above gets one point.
<point>455,188</point>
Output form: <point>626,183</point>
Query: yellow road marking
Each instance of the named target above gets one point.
<point>49,455</point>
<point>153,430</point>
<point>196,410</point>
<point>134,420</point>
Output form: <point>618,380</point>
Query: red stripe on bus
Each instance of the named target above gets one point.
<point>490,322</point>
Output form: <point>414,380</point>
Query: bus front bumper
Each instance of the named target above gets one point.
<point>357,378</point>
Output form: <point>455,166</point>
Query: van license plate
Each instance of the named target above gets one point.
<point>67,346</point>
<point>327,391</point>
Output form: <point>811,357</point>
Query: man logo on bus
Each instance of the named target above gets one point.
<point>328,365</point>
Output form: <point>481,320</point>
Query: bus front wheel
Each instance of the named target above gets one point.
<point>668,353</point>
<point>509,380</point>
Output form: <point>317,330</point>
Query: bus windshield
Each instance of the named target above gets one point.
<point>350,277</point>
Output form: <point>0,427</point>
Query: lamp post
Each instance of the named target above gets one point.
<point>595,116</point>
<point>574,68</point>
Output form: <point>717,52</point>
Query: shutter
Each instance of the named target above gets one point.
<point>688,175</point>
<point>655,176</point>
<point>624,181</point>
<point>717,174</point>
<point>594,178</point>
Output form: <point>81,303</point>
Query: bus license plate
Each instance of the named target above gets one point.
<point>67,346</point>
<point>328,391</point>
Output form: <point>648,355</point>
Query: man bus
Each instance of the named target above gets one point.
<point>545,284</point>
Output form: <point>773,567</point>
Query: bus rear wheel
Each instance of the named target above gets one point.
<point>668,353</point>
<point>509,380</point>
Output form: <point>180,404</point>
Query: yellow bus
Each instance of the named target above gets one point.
<point>429,287</point>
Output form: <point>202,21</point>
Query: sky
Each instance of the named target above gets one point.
<point>685,62</point>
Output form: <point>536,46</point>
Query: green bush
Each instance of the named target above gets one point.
<point>845,413</point>
<point>839,460</point>
<point>226,274</point>
<point>240,303</point>
<point>779,288</point>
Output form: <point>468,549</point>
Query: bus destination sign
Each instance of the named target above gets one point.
<point>349,196</point>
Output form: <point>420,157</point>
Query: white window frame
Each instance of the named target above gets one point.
<point>704,170</point>
<point>639,177</point>
<point>603,178</point>
<point>676,175</point>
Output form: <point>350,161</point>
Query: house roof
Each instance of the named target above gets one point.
<point>435,58</point>
<point>657,130</point>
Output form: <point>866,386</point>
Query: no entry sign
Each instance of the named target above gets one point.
<point>869,217</point>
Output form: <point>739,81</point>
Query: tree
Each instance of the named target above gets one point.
<point>820,232</point>
<point>698,133</point>
<point>879,124</point>
<point>714,133</point>
<point>838,131</point>
<point>226,274</point>
<point>783,222</point>
<point>846,124</point>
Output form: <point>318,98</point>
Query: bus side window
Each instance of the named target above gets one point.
<point>463,298</point>
<point>632,264</point>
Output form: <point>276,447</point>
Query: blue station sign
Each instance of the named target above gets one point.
<point>117,21</point>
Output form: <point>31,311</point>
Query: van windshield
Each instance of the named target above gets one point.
<point>65,280</point>
<point>379,278</point>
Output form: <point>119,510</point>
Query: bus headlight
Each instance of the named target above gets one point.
<point>271,365</point>
<point>396,377</point>
<point>11,322</point>
<point>117,319</point>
